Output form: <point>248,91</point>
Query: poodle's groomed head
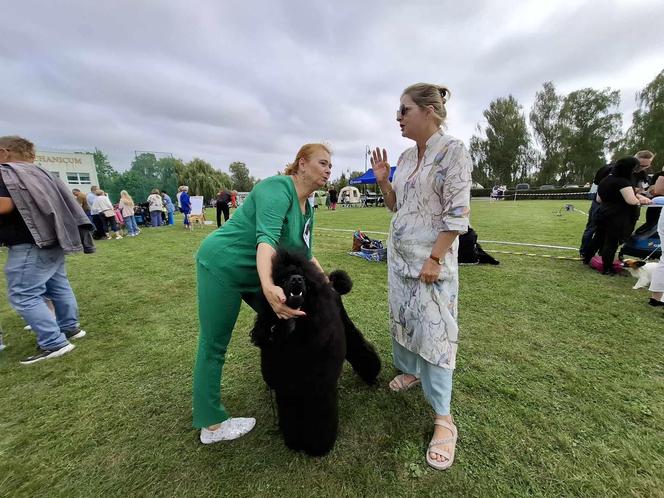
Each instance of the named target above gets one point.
<point>296,275</point>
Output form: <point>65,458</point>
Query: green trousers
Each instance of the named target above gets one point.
<point>219,303</point>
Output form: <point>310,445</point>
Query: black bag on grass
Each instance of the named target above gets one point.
<point>471,252</point>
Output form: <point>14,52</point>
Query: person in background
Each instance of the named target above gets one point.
<point>234,264</point>
<point>170,208</point>
<point>156,205</point>
<point>223,198</point>
<point>617,213</point>
<point>234,199</point>
<point>127,206</point>
<point>657,283</point>
<point>82,199</point>
<point>97,219</point>
<point>185,206</point>
<point>638,180</point>
<point>430,198</point>
<point>37,244</point>
<point>92,195</point>
<point>640,176</point>
<point>655,189</point>
<point>334,198</point>
<point>589,231</point>
<point>177,197</point>
<point>106,212</point>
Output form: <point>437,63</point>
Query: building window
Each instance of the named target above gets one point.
<point>78,178</point>
<point>55,173</point>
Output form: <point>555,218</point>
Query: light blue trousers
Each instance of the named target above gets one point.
<point>436,381</point>
<point>32,274</point>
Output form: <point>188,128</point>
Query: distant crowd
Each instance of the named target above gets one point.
<point>109,218</point>
<point>158,210</point>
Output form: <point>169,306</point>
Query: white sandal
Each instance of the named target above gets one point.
<point>401,385</point>
<point>437,442</point>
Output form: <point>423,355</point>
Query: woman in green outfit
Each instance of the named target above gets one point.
<point>234,263</point>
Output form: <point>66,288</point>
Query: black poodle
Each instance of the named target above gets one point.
<point>301,358</point>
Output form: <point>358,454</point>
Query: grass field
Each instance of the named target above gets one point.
<point>558,390</point>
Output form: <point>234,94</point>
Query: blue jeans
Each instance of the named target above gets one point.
<point>171,220</point>
<point>130,223</point>
<point>155,216</point>
<point>33,274</point>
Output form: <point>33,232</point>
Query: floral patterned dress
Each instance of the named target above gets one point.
<point>430,199</point>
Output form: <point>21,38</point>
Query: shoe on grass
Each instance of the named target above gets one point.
<point>403,382</point>
<point>75,334</point>
<point>655,302</point>
<point>47,354</point>
<point>229,429</point>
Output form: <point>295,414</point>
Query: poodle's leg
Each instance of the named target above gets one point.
<point>322,422</point>
<point>360,354</point>
<point>290,413</point>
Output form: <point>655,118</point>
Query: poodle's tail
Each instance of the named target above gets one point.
<point>341,281</point>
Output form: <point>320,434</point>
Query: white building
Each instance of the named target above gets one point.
<point>76,169</point>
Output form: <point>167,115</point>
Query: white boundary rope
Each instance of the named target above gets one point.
<point>543,192</point>
<point>548,256</point>
<point>544,246</point>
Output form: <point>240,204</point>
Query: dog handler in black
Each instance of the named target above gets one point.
<point>617,212</point>
<point>234,263</point>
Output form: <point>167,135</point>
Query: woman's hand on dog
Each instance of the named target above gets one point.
<point>430,271</point>
<point>277,299</point>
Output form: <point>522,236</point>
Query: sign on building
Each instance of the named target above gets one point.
<point>76,169</point>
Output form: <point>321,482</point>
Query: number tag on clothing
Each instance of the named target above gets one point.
<point>306,233</point>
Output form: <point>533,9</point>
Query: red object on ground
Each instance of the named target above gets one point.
<point>596,263</point>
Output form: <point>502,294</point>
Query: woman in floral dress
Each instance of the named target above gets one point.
<point>430,196</point>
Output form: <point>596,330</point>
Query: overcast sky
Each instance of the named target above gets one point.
<point>252,81</point>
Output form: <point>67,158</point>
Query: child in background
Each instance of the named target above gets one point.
<point>126,205</point>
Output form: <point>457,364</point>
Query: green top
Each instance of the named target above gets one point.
<point>271,213</point>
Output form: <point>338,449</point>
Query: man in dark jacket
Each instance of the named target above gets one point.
<point>223,198</point>
<point>39,223</point>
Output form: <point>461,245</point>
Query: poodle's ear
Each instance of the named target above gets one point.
<point>341,281</point>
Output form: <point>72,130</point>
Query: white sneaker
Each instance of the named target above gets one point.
<point>118,237</point>
<point>229,429</point>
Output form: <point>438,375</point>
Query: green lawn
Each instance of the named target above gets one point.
<point>558,392</point>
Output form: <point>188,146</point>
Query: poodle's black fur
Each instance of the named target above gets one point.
<point>301,358</point>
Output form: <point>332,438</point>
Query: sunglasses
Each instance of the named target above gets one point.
<point>401,111</point>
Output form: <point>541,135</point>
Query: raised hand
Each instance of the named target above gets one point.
<point>277,299</point>
<point>380,166</point>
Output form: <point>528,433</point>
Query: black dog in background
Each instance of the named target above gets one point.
<point>302,358</point>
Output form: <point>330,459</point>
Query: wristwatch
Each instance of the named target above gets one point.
<point>437,260</point>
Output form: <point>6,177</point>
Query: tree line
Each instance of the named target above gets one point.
<point>566,138</point>
<point>166,174</point>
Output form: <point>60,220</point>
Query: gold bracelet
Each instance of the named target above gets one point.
<point>390,191</point>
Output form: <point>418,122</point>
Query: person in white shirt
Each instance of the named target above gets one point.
<point>103,207</point>
<point>156,206</point>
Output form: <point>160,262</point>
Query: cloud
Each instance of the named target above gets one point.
<point>253,81</point>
